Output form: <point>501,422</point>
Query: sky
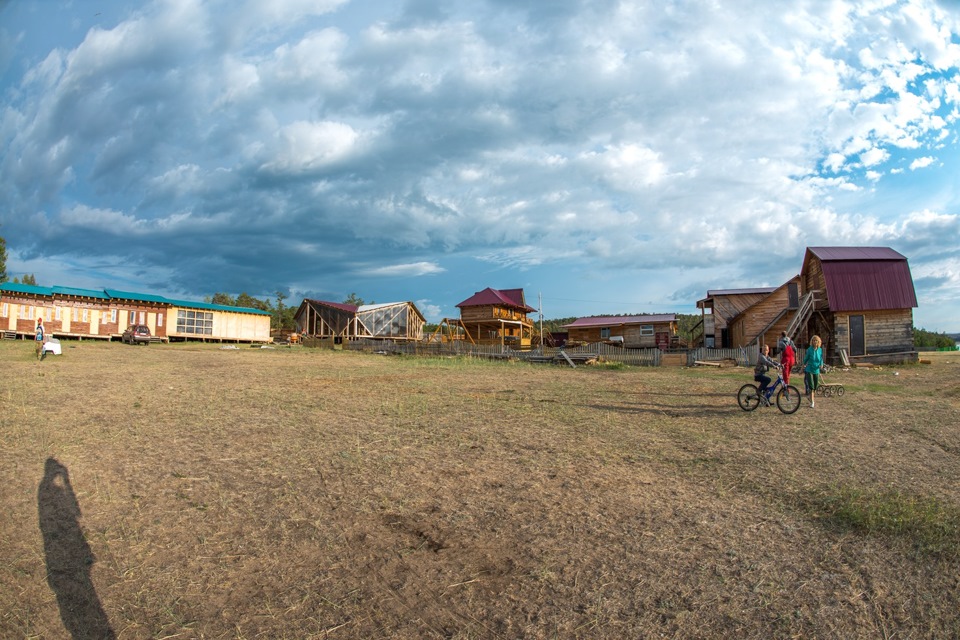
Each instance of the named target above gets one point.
<point>608,157</point>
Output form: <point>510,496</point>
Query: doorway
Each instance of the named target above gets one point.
<point>858,345</point>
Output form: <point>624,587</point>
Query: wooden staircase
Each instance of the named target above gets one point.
<point>804,311</point>
<point>799,320</point>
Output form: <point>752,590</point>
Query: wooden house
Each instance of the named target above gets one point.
<point>341,321</point>
<point>105,314</point>
<point>720,307</point>
<point>497,317</point>
<point>633,331</point>
<point>860,301</point>
<point>763,321</point>
<point>185,320</point>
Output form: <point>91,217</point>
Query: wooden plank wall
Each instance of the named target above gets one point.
<point>886,331</point>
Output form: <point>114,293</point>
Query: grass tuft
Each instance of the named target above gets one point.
<point>926,522</point>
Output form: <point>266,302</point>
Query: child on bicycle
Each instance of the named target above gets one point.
<point>764,362</point>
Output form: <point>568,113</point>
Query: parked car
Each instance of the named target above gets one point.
<point>138,333</point>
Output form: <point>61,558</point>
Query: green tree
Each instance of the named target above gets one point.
<point>354,300</point>
<point>3,260</point>
<point>28,278</point>
<point>281,296</point>
<point>924,338</point>
<point>223,299</point>
<point>248,301</point>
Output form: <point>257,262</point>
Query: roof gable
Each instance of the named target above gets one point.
<point>607,321</point>
<point>489,296</point>
<point>864,278</point>
<point>855,253</point>
<point>340,306</point>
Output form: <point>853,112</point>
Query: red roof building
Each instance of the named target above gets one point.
<point>860,301</point>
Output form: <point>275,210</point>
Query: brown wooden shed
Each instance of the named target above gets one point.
<point>633,331</point>
<point>860,301</point>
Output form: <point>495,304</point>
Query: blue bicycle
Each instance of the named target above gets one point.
<point>788,396</point>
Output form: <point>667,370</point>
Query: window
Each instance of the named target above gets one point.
<point>111,317</point>
<point>5,309</point>
<point>75,314</point>
<point>58,314</point>
<point>133,318</point>
<point>85,315</point>
<point>646,329</point>
<point>159,319</point>
<point>604,332</point>
<point>195,322</point>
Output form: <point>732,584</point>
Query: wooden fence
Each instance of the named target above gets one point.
<point>651,357</point>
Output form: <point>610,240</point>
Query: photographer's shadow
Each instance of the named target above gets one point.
<point>68,556</point>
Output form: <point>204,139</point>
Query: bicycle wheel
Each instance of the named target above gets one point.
<point>788,399</point>
<point>748,397</point>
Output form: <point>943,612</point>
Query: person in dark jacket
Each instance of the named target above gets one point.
<point>764,362</point>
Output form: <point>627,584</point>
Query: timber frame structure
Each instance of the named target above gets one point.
<point>340,321</point>
<point>495,317</point>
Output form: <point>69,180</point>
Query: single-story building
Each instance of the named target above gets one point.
<point>634,331</point>
<point>69,312</point>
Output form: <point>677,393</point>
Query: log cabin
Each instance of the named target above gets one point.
<point>860,301</point>
<point>631,331</point>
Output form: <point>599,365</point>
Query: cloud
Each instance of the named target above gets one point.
<point>412,270</point>
<point>233,148</point>
<point>921,163</point>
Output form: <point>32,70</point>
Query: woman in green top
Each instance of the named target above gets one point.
<point>812,361</point>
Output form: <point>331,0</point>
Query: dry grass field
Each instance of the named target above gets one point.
<point>188,491</point>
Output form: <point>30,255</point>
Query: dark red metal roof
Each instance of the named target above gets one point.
<point>342,306</point>
<point>855,253</point>
<point>507,298</point>
<point>606,321</point>
<point>865,278</point>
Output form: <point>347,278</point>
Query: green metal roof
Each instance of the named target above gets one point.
<point>16,287</point>
<point>113,294</point>
<point>80,293</point>
<point>216,307</point>
<point>139,297</point>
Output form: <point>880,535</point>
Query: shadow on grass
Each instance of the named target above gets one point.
<point>69,558</point>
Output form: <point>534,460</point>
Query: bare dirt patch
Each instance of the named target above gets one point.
<point>187,491</point>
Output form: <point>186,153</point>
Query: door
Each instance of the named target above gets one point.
<point>793,296</point>
<point>857,338</point>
